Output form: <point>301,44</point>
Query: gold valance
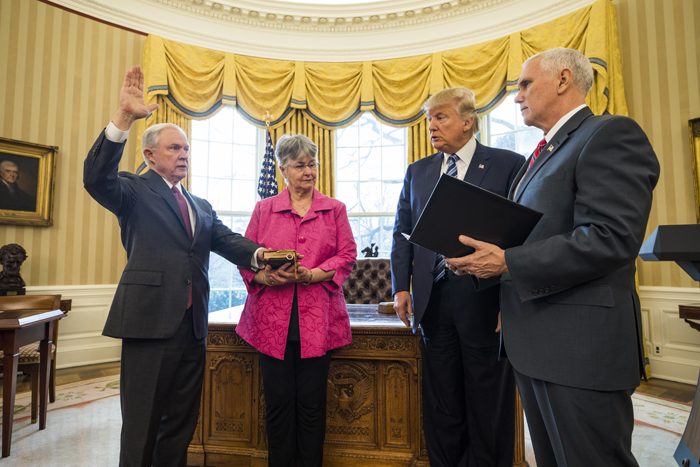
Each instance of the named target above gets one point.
<point>198,81</point>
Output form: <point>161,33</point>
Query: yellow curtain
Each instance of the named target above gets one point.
<point>299,123</point>
<point>198,81</point>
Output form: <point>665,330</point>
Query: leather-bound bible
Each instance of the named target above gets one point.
<point>459,208</point>
<point>278,258</point>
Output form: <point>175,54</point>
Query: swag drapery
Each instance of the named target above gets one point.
<point>316,98</point>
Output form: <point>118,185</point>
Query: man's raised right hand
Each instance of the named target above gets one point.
<point>131,104</point>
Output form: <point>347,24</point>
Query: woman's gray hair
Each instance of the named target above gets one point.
<point>294,147</point>
<point>463,99</point>
<point>151,137</point>
<point>553,61</point>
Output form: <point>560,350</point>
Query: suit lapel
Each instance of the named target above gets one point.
<point>478,166</point>
<point>432,175</point>
<point>156,183</point>
<point>550,149</point>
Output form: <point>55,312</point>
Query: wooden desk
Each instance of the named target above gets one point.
<point>377,376</point>
<point>18,328</point>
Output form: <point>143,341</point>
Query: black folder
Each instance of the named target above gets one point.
<point>459,208</point>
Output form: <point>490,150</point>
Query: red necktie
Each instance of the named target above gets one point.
<point>186,216</point>
<point>537,152</point>
<point>183,208</point>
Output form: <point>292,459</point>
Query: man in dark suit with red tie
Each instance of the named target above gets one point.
<point>161,304</point>
<point>468,393</point>
<point>572,325</point>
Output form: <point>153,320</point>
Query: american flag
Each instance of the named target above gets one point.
<point>267,184</point>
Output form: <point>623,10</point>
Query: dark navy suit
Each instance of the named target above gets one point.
<point>163,348</point>
<point>468,394</point>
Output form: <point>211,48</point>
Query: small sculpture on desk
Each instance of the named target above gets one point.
<point>12,256</point>
<point>369,252</point>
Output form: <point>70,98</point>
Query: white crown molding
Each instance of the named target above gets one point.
<point>278,29</point>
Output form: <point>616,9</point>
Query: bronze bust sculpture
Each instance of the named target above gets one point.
<point>12,256</point>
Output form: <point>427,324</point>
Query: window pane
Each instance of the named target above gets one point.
<point>393,136</point>
<point>370,196</point>
<point>348,137</point>
<point>347,193</point>
<point>528,141</point>
<point>220,159</point>
<point>219,300</point>
<point>199,158</point>
<point>390,196</point>
<point>393,158</point>
<point>347,163</point>
<point>369,131</point>
<point>244,162</point>
<point>371,163</point>
<point>219,272</point>
<point>200,129</point>
<point>198,185</point>
<point>244,195</point>
<point>219,194</point>
<point>221,126</point>
<point>506,141</point>
<point>243,131</point>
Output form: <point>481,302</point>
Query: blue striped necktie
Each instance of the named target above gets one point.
<point>439,271</point>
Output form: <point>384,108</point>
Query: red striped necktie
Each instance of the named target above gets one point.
<point>537,152</point>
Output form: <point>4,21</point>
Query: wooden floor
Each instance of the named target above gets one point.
<point>678,392</point>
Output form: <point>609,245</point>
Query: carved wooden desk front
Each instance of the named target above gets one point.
<point>374,405</point>
<point>373,414</point>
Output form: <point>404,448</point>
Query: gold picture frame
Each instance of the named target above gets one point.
<point>694,129</point>
<point>27,180</point>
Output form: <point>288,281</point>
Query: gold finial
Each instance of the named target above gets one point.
<point>267,117</point>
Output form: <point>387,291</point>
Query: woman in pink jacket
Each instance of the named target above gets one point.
<point>294,322</point>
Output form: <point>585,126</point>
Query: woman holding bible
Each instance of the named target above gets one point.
<point>295,317</point>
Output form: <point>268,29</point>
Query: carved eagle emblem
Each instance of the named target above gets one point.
<point>347,397</point>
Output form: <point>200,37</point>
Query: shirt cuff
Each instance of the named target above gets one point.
<point>114,134</point>
<point>254,260</point>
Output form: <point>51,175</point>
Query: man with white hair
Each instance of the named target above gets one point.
<point>12,197</point>
<point>571,320</point>
<point>161,304</point>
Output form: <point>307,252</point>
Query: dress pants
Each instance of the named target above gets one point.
<point>161,387</point>
<point>574,427</point>
<point>295,401</point>
<point>468,394</point>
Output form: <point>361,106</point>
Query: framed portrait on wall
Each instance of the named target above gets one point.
<point>27,172</point>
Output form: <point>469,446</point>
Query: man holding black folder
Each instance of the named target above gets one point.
<point>571,316</point>
<point>468,394</point>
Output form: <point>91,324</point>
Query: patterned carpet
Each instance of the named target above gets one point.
<point>85,421</point>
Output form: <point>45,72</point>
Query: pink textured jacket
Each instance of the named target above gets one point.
<point>325,239</point>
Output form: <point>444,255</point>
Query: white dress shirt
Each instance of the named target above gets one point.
<point>464,155</point>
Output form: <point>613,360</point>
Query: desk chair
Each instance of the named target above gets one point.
<point>29,354</point>
<point>369,282</point>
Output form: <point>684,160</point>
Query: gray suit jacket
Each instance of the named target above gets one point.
<point>570,308</point>
<point>163,263</point>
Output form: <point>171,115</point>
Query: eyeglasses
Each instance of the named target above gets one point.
<point>312,165</point>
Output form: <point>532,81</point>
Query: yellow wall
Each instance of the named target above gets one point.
<point>60,76</point>
<point>59,80</point>
<point>660,49</point>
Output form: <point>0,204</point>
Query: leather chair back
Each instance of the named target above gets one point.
<point>369,282</point>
